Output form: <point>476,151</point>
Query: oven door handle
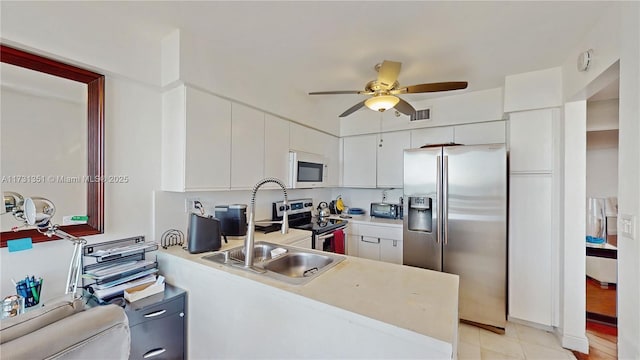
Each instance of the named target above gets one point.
<point>329,235</point>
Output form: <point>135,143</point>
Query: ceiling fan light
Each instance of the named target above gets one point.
<point>381,102</point>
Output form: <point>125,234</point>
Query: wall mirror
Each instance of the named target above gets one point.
<point>52,140</point>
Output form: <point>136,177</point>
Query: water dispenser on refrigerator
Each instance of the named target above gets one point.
<point>420,218</point>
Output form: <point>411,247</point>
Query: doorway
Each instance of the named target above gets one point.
<point>602,204</point>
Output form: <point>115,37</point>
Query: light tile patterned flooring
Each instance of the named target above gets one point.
<point>518,342</point>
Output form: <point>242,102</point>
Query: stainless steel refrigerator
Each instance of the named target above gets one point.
<point>455,220</point>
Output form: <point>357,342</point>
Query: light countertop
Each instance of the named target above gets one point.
<point>366,219</point>
<point>415,299</point>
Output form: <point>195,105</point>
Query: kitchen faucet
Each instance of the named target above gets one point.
<point>248,242</point>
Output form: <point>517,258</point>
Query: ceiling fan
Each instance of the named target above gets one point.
<point>385,88</point>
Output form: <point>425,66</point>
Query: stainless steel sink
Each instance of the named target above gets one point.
<point>296,266</point>
<point>261,252</point>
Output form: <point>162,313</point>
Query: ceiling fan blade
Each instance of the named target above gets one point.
<point>388,73</point>
<point>432,87</point>
<point>405,108</point>
<point>353,109</point>
<point>335,92</point>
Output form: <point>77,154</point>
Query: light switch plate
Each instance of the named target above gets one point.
<point>627,226</point>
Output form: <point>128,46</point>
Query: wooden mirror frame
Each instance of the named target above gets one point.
<point>95,140</point>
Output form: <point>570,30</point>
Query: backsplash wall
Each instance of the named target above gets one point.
<point>169,207</point>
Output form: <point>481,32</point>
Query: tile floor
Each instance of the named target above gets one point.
<point>518,342</point>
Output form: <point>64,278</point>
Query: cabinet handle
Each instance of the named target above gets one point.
<point>395,243</point>
<point>154,352</point>
<point>372,242</point>
<point>156,313</point>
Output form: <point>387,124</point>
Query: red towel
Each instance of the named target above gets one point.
<point>338,241</point>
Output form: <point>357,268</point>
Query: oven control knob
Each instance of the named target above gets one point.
<point>308,204</point>
<point>283,208</point>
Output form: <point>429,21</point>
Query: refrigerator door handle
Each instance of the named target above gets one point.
<point>438,199</point>
<point>445,198</point>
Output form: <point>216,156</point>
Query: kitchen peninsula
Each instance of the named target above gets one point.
<point>358,309</point>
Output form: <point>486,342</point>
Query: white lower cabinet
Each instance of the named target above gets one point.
<point>391,251</point>
<point>378,242</point>
<point>369,247</point>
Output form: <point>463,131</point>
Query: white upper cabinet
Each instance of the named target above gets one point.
<point>247,146</point>
<point>196,140</point>
<point>481,133</point>
<point>359,160</point>
<point>390,158</point>
<point>276,149</point>
<point>305,139</point>
<point>332,156</point>
<point>531,140</point>
<point>436,135</point>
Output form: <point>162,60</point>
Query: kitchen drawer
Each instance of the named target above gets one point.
<point>155,312</point>
<point>386,232</point>
<point>159,339</point>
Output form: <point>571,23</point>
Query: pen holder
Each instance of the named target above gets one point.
<point>30,292</point>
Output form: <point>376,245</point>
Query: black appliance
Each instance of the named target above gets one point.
<point>203,234</point>
<point>233,219</point>
<point>300,217</point>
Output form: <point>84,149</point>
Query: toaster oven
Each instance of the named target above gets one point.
<point>386,210</point>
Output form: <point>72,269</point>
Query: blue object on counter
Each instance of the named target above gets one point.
<point>19,244</point>
<point>356,211</point>
<point>594,240</point>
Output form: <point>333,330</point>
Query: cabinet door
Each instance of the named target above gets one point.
<point>483,133</point>
<point>369,247</point>
<point>332,156</point>
<point>436,135</point>
<point>360,161</point>
<point>276,149</point>
<point>530,248</point>
<point>159,339</point>
<point>531,141</point>
<point>391,251</point>
<point>390,159</point>
<point>247,146</point>
<point>208,141</point>
<point>306,139</point>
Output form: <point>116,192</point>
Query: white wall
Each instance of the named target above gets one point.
<point>132,148</point>
<point>615,36</point>
<point>465,108</point>
<point>628,185</point>
<point>193,59</point>
<point>602,163</point>
<point>572,316</point>
<point>602,115</point>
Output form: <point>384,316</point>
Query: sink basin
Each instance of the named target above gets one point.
<point>296,266</point>
<point>261,252</point>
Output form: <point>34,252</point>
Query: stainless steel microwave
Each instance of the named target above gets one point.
<point>307,170</point>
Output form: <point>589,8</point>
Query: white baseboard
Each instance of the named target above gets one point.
<point>530,323</point>
<point>575,343</point>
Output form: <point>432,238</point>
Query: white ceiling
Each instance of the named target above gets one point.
<point>330,45</point>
